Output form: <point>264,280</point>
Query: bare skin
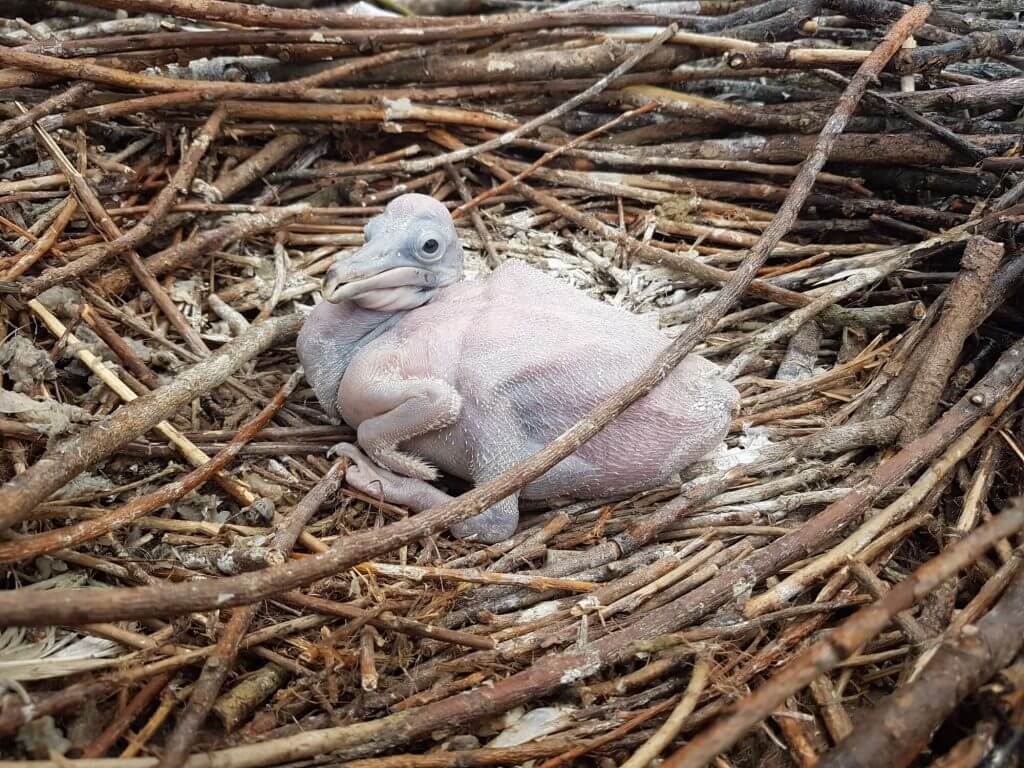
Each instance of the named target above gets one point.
<point>471,377</point>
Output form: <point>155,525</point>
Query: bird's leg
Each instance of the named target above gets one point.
<point>495,524</point>
<point>495,454</point>
<point>492,525</point>
<point>409,408</point>
<point>363,475</point>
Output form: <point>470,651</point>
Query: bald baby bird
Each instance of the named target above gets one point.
<point>471,377</point>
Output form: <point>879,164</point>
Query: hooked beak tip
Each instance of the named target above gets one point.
<point>338,285</point>
<point>330,290</point>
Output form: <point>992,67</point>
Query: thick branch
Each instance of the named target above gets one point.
<point>64,462</point>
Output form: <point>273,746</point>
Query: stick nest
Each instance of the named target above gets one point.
<point>176,177</point>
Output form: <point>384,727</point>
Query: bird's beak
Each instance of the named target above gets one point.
<point>372,279</point>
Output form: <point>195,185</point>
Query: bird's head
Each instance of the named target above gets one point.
<point>412,251</point>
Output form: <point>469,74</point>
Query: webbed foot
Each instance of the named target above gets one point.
<point>366,476</point>
<point>403,463</point>
<point>409,408</point>
<point>490,527</point>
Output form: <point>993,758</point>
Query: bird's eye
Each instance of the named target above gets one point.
<point>430,249</point>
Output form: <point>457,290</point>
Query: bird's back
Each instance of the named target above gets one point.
<point>519,327</point>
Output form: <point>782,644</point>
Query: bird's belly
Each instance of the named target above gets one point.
<point>524,379</point>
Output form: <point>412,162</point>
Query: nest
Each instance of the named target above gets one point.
<point>822,197</point>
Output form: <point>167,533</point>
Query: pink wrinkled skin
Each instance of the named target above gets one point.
<point>471,377</point>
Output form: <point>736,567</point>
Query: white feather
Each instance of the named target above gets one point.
<point>59,652</point>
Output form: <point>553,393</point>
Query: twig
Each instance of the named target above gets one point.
<point>915,633</point>
<point>954,445</point>
<point>149,224</point>
<point>45,243</point>
<point>898,728</point>
<point>92,205</point>
<point>465,153</point>
<point>102,743</point>
<point>388,621</point>
<point>961,312</point>
<point>70,457</point>
<point>73,535</point>
<point>474,576</point>
<point>220,661</point>
<point>493,260</point>
<point>843,642</point>
<point>547,157</point>
<point>655,745</point>
<point>58,101</point>
<point>182,254</point>
<point>614,735</point>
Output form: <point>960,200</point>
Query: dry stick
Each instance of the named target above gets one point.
<point>472,758</point>
<point>429,164</point>
<point>653,747</point>
<point>962,311</point>
<point>349,113</point>
<point>116,280</point>
<point>237,705</point>
<point>789,325</point>
<point>797,733</point>
<point>614,735</point>
<point>943,134</point>
<point>536,543</point>
<point>485,756</point>
<point>367,659</point>
<point>73,535</point>
<point>190,97</point>
<point>288,18</point>
<point>476,576</point>
<point>184,446</point>
<point>834,715</point>
<point>148,225</point>
<point>119,346</point>
<point>388,621</point>
<point>206,89</point>
<point>61,464</point>
<point>977,492</point>
<point>844,641</point>
<point>874,586</point>
<point>246,172</point>
<point>192,596</point>
<point>139,105</point>
<point>801,352</point>
<point>101,219</point>
<point>894,731</point>
<point>493,260</point>
<point>548,157</point>
<point>118,725</point>
<point>219,663</point>
<point>973,46</point>
<point>987,595</point>
<point>58,101</point>
<point>74,695</point>
<point>43,245</point>
<point>740,628</point>
<point>960,443</point>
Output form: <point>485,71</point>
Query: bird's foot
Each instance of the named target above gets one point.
<point>402,463</point>
<point>366,476</point>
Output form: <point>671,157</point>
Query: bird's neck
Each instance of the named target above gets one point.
<point>330,339</point>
